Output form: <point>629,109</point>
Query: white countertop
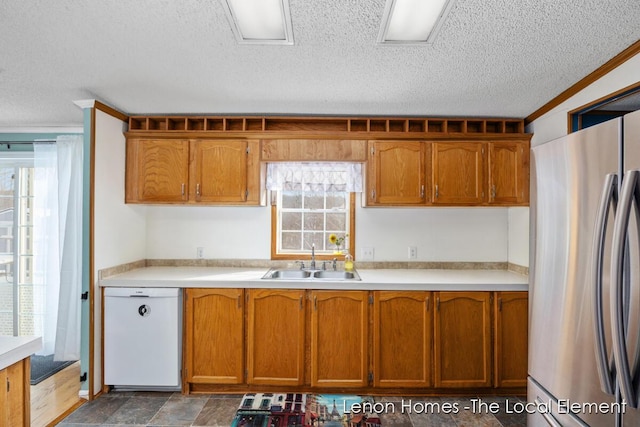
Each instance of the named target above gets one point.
<point>376,279</point>
<point>14,349</point>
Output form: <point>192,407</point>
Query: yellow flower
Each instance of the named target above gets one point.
<point>338,241</point>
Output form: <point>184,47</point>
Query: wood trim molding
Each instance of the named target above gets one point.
<point>607,67</point>
<point>111,111</point>
<point>92,202</point>
<point>611,96</point>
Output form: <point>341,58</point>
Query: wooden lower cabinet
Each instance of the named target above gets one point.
<point>511,339</point>
<point>462,339</point>
<point>214,336</point>
<point>14,394</point>
<point>402,337</point>
<point>339,338</point>
<point>275,336</point>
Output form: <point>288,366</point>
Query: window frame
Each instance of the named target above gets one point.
<point>307,255</point>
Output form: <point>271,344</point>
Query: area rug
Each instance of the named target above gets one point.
<point>299,409</point>
<point>42,367</point>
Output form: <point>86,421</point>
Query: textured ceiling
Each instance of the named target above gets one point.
<point>491,58</point>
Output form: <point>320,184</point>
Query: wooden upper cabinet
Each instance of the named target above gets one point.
<point>313,150</point>
<point>219,170</point>
<point>275,336</point>
<point>462,339</point>
<point>194,171</point>
<point>396,173</point>
<point>214,336</point>
<point>157,170</point>
<point>458,173</point>
<point>511,331</point>
<point>339,338</point>
<point>509,173</point>
<point>402,336</point>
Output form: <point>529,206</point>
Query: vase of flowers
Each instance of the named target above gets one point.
<point>338,241</point>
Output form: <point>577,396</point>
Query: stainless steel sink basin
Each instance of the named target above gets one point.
<point>287,274</point>
<point>336,275</point>
<point>297,274</point>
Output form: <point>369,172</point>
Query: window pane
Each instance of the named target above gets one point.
<point>335,201</point>
<point>317,238</point>
<point>314,201</point>
<point>291,221</point>
<point>292,200</point>
<point>336,221</point>
<point>314,221</point>
<point>291,241</point>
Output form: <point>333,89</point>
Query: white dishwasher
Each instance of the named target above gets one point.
<point>142,338</point>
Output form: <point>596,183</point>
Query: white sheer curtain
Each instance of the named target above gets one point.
<point>316,176</point>
<point>57,252</point>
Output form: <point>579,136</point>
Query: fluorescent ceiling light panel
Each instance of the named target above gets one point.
<point>412,21</point>
<point>260,21</point>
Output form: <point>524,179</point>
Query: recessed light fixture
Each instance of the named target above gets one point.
<point>412,21</point>
<point>260,21</point>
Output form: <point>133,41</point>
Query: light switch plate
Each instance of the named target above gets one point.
<point>366,253</point>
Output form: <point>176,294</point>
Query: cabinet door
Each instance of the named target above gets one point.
<point>397,173</point>
<point>275,336</point>
<point>157,170</point>
<point>511,329</point>
<point>14,395</point>
<point>458,173</point>
<point>508,172</point>
<point>219,170</point>
<point>214,336</point>
<point>402,336</point>
<point>339,338</point>
<point>462,339</point>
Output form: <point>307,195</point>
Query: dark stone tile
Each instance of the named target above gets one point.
<point>96,411</point>
<point>507,414</point>
<point>474,412</point>
<point>137,410</point>
<point>428,411</point>
<point>218,412</point>
<point>179,411</point>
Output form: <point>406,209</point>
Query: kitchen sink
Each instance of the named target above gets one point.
<point>297,274</point>
<point>287,274</point>
<point>336,275</point>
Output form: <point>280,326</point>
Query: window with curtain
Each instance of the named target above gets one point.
<point>18,313</point>
<point>312,201</point>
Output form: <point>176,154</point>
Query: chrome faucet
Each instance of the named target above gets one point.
<point>313,256</point>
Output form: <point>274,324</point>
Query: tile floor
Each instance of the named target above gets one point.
<point>174,409</point>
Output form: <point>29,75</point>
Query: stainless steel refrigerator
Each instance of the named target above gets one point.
<point>584,295</point>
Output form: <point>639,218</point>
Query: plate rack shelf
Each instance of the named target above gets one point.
<point>354,126</point>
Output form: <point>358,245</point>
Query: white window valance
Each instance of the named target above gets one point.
<point>317,176</point>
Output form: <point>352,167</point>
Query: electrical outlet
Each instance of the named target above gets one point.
<point>366,254</point>
<point>413,252</point>
<point>199,252</point>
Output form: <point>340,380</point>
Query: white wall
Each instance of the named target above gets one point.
<point>440,234</point>
<point>225,232</point>
<point>119,229</point>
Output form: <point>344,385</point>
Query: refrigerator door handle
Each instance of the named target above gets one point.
<point>620,228</point>
<point>609,197</point>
